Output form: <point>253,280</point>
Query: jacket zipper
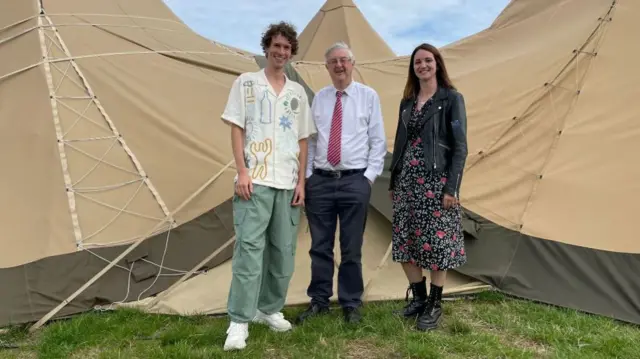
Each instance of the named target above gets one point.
<point>435,132</point>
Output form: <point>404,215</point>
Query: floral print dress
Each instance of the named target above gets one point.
<point>424,233</point>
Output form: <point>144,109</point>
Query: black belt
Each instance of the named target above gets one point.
<point>337,174</point>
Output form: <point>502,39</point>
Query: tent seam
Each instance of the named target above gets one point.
<point>579,85</point>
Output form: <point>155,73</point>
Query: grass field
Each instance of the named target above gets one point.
<point>489,325</point>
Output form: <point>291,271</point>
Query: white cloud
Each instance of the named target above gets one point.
<point>402,23</point>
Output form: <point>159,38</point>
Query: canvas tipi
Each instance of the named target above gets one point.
<point>341,20</point>
<point>383,278</point>
<point>106,112</point>
<point>118,171</point>
<point>128,150</point>
<point>551,184</point>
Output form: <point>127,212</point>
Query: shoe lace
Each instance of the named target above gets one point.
<point>236,329</point>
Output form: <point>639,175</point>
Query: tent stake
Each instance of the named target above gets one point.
<point>127,251</point>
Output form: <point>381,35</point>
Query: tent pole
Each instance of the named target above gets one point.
<point>163,294</point>
<point>367,287</point>
<point>54,311</point>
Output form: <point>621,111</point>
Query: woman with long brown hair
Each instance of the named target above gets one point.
<point>426,172</point>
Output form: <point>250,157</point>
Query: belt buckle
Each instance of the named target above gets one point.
<point>336,174</point>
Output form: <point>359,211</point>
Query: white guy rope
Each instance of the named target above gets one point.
<point>17,23</point>
<point>80,194</point>
<point>61,147</point>
<point>120,25</point>
<point>118,16</point>
<point>68,143</point>
<point>124,145</point>
<point>90,282</point>
<point>151,52</point>
<point>177,272</point>
<point>113,143</point>
<point>191,272</point>
<point>116,216</point>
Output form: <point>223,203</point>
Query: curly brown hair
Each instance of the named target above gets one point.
<point>285,29</point>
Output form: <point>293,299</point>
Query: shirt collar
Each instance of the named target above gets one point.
<point>265,80</point>
<point>347,91</point>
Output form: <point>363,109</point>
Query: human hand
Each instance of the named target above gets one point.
<point>298,195</point>
<point>449,201</point>
<point>244,187</point>
<point>391,195</point>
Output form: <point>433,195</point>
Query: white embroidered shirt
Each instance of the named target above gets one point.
<point>273,125</point>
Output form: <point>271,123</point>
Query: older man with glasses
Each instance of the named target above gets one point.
<point>343,162</point>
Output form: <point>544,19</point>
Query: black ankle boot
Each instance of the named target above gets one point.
<point>418,302</point>
<point>432,314</point>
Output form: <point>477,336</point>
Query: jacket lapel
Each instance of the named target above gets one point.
<point>406,113</point>
<point>438,101</point>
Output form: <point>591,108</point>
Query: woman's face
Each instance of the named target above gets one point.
<point>424,65</point>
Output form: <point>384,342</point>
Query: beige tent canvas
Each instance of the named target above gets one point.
<point>116,159</point>
<point>536,190</point>
<point>341,20</point>
<point>106,111</point>
<point>550,186</point>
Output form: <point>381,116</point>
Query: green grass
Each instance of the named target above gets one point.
<point>488,326</point>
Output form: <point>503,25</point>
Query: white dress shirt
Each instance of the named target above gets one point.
<point>363,138</point>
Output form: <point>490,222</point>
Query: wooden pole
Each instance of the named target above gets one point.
<point>127,251</point>
<point>190,273</point>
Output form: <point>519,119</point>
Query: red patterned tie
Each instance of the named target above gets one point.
<point>335,137</point>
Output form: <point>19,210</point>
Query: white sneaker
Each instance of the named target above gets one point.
<point>276,321</point>
<point>237,335</point>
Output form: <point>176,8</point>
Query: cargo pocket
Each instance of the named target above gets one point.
<point>239,215</point>
<point>295,222</point>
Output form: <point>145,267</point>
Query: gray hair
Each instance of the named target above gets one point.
<point>339,45</point>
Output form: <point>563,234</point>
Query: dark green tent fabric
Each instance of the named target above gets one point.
<point>534,268</point>
<point>539,269</point>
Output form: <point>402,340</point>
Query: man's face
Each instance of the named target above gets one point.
<point>279,52</point>
<point>339,65</point>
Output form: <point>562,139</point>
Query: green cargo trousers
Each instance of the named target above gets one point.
<point>266,228</point>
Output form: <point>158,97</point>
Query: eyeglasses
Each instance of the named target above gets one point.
<point>335,61</point>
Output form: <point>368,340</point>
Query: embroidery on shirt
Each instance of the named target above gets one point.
<point>248,92</point>
<point>260,152</point>
<point>265,100</point>
<point>249,110</point>
<point>292,104</point>
<point>251,130</point>
<point>285,123</point>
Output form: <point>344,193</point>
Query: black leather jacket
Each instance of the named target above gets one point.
<point>444,134</point>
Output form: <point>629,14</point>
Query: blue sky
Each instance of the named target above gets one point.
<point>401,23</point>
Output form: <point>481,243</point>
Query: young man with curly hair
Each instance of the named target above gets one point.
<point>270,121</point>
